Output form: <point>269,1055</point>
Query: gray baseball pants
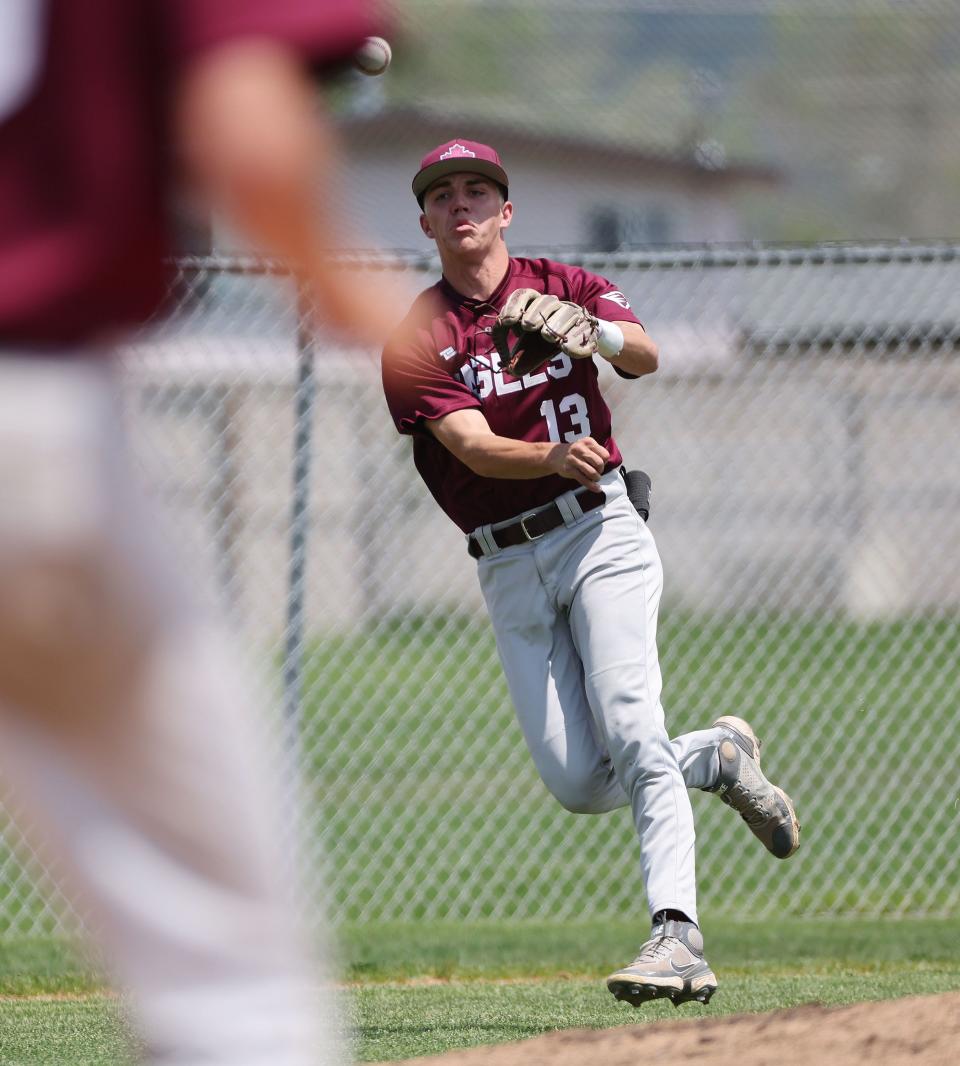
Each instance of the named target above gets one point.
<point>131,749</point>
<point>575,619</point>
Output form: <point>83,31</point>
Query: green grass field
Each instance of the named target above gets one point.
<point>433,810</point>
<point>429,807</point>
<point>432,817</point>
<point>422,989</point>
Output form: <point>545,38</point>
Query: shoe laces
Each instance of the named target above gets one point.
<point>657,948</point>
<point>750,806</point>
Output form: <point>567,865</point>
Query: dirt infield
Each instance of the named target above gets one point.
<point>919,1031</point>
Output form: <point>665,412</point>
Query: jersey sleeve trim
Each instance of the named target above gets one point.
<point>413,424</point>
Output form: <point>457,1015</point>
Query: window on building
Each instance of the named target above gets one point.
<point>613,226</point>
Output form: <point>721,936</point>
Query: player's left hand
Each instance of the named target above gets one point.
<point>532,325</point>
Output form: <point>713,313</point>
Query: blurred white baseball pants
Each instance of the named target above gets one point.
<point>129,749</point>
<point>575,619</point>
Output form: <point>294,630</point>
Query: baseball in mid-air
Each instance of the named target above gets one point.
<point>373,56</point>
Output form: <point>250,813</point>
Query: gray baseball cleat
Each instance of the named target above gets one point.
<point>767,810</point>
<point>670,966</point>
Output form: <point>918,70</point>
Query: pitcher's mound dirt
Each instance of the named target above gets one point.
<point>919,1031</point>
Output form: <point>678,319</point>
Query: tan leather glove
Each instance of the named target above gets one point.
<point>532,326</point>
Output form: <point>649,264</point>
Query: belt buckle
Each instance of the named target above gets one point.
<point>523,526</point>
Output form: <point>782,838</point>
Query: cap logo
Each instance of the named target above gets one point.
<point>458,151</point>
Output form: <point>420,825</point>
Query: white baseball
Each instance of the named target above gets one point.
<point>373,56</point>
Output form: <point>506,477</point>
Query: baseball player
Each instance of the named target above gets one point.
<point>494,375</point>
<point>125,735</point>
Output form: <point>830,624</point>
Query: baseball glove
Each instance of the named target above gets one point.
<point>533,325</point>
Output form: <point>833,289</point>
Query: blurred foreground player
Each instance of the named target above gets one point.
<point>124,736</point>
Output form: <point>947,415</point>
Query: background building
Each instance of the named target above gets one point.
<point>626,195</point>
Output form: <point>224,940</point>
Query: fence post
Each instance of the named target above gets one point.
<point>293,658</point>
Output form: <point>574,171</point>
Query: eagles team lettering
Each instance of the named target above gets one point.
<point>483,375</point>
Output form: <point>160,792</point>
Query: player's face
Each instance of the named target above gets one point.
<point>464,214</point>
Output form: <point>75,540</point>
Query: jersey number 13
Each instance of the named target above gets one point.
<point>574,410</point>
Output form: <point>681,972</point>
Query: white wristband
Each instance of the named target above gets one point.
<point>609,339</point>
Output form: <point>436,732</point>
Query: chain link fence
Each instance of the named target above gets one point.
<point>803,436</point>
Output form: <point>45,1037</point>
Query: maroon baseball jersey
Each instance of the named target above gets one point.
<point>85,170</point>
<point>442,359</point>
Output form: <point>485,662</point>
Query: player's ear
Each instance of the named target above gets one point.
<point>506,214</point>
<point>425,226</point>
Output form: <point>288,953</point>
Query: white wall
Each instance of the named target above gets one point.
<point>551,208</point>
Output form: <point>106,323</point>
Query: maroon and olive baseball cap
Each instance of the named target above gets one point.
<point>456,156</point>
